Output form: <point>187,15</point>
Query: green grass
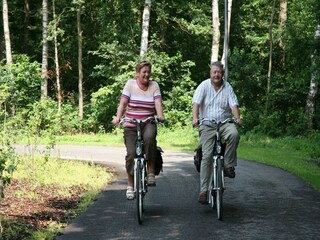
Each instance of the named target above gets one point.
<point>296,155</point>
<point>63,175</point>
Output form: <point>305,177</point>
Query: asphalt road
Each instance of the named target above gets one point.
<point>262,202</point>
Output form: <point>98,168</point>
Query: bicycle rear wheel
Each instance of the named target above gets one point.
<point>219,190</point>
<point>139,194</point>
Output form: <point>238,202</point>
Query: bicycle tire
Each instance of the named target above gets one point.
<point>219,190</point>
<point>139,196</point>
<point>212,195</point>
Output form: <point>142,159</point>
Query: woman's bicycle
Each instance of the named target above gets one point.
<point>140,165</point>
<point>217,185</point>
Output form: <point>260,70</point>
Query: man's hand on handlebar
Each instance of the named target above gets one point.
<point>195,122</point>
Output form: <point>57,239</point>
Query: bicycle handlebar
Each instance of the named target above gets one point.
<point>134,120</point>
<point>214,122</point>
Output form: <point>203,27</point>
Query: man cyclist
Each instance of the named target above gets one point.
<point>214,99</point>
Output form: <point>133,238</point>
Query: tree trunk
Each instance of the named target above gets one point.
<point>80,70</point>
<point>145,27</point>
<point>44,71</point>
<point>56,56</point>
<point>6,31</point>
<point>26,25</point>
<point>270,59</point>
<point>313,89</point>
<point>282,24</point>
<point>226,43</point>
<point>215,31</point>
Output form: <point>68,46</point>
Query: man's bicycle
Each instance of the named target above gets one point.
<point>217,184</point>
<point>140,165</point>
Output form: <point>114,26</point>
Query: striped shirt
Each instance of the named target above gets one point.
<point>140,103</point>
<point>215,105</point>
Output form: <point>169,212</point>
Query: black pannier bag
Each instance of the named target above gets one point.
<point>198,157</point>
<point>158,161</point>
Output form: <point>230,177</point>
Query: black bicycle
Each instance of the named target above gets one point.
<point>140,165</point>
<point>217,185</point>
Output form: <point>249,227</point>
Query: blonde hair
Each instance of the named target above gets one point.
<point>142,64</point>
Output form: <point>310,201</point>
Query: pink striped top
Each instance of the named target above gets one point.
<point>140,103</point>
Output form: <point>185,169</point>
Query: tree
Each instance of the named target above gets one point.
<point>282,24</point>
<point>145,27</point>
<point>270,58</point>
<point>56,55</point>
<point>44,71</point>
<point>228,8</point>
<point>80,69</point>
<point>313,89</point>
<point>215,31</point>
<point>6,31</point>
<point>26,24</point>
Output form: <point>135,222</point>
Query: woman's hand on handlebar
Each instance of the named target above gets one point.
<point>161,119</point>
<point>116,121</point>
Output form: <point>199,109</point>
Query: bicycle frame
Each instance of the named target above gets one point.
<point>140,169</point>
<point>217,186</point>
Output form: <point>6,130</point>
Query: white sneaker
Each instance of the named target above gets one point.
<point>130,193</point>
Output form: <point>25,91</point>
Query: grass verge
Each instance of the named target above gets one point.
<point>46,194</point>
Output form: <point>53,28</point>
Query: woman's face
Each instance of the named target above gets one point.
<point>144,75</point>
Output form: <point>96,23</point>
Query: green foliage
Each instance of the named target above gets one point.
<point>21,81</point>
<point>179,47</point>
<point>171,73</point>
<point>7,166</point>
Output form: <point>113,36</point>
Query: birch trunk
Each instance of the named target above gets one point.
<point>44,71</point>
<point>6,31</point>
<point>282,24</point>
<point>223,59</point>
<point>145,27</point>
<point>80,69</point>
<point>56,57</point>
<point>313,89</point>
<point>26,25</point>
<point>270,59</point>
<point>215,31</point>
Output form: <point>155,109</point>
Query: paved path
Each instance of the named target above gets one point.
<point>262,202</point>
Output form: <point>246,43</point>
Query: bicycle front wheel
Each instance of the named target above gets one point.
<point>139,189</point>
<point>212,195</point>
<point>219,189</point>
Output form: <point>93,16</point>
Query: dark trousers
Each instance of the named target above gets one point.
<point>149,134</point>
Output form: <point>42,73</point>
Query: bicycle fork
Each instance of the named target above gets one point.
<point>139,163</point>
<point>215,175</point>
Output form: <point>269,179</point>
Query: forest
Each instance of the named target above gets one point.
<point>64,63</point>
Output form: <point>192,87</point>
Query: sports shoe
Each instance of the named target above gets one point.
<point>151,179</point>
<point>130,193</point>
<point>229,172</point>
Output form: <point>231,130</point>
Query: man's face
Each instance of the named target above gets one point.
<point>216,75</point>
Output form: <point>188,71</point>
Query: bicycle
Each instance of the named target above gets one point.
<point>140,187</point>
<point>217,184</point>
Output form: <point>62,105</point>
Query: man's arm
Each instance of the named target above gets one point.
<point>236,113</point>
<point>195,114</point>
